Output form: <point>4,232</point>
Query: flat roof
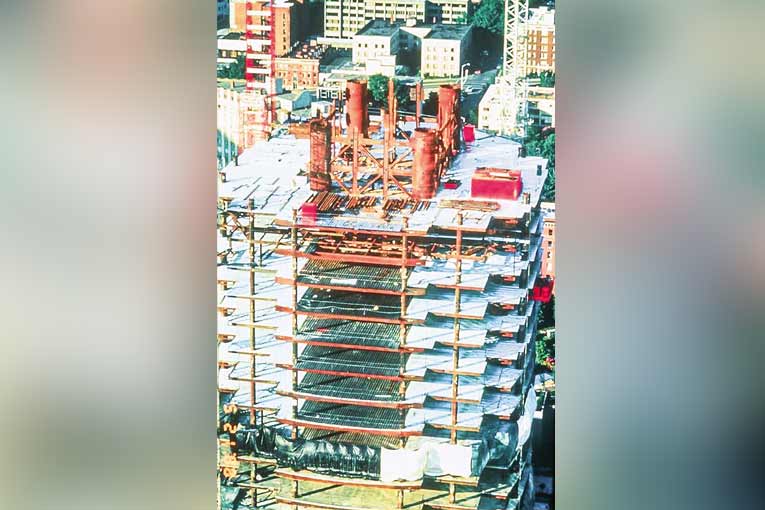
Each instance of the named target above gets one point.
<point>378,27</point>
<point>440,31</point>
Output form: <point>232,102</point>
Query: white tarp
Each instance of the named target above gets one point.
<point>448,459</point>
<point>401,464</point>
<point>525,421</point>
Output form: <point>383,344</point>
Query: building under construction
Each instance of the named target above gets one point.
<point>378,294</point>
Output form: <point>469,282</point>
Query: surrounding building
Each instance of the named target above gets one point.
<point>448,11</point>
<point>344,18</point>
<point>548,239</point>
<point>231,46</point>
<point>290,102</point>
<point>445,49</point>
<point>540,41</point>
<point>223,13</point>
<point>300,69</point>
<point>438,50</point>
<point>376,46</point>
<point>290,21</point>
<point>396,10</point>
<point>489,109</point>
<point>237,15</point>
<point>541,107</point>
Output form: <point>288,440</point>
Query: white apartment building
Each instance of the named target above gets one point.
<point>375,46</point>
<point>445,49</point>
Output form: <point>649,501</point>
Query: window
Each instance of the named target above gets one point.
<point>549,231</point>
<point>549,254</point>
<point>549,243</point>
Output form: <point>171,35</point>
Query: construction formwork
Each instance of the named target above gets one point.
<point>376,338</point>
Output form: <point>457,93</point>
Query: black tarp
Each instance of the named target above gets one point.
<point>316,455</point>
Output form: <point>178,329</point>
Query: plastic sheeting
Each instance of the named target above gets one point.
<point>402,464</point>
<point>449,459</point>
<point>319,456</point>
<point>526,420</point>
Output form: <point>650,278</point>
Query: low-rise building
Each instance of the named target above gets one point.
<point>445,49</point>
<point>300,69</point>
<point>378,38</point>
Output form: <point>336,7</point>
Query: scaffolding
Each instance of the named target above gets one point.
<point>374,321</point>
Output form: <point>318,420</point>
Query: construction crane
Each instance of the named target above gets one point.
<point>514,92</point>
<point>260,70</point>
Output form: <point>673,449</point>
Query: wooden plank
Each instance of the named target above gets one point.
<point>310,476</point>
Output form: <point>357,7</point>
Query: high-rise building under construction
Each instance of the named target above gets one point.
<point>378,295</point>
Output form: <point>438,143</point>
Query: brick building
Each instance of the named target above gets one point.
<point>291,21</point>
<point>298,73</point>
<point>540,45</point>
<point>548,239</point>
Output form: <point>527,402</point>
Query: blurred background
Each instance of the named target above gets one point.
<point>108,214</point>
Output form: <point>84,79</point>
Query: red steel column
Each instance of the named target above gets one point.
<point>357,112</point>
<point>424,166</point>
<point>319,166</point>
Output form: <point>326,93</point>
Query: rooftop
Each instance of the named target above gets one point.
<point>378,27</point>
<point>542,16</point>
<point>235,36</point>
<point>456,32</point>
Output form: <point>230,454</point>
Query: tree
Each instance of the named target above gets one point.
<point>545,344</point>
<point>545,350</point>
<point>430,105</point>
<point>489,15</point>
<point>235,70</point>
<point>547,79</point>
<point>378,89</point>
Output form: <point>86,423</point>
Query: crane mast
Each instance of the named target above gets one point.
<point>513,89</point>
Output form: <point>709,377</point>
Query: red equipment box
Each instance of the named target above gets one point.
<point>496,183</point>
<point>542,291</point>
<point>308,211</point>
<point>468,133</point>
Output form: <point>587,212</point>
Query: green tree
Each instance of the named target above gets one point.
<point>489,15</point>
<point>378,89</point>
<point>545,350</point>
<point>235,70</point>
<point>547,79</point>
<point>472,117</point>
<point>430,105</point>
